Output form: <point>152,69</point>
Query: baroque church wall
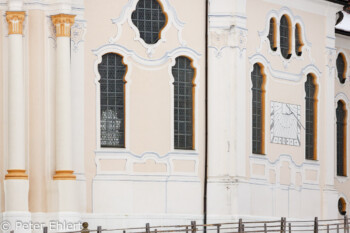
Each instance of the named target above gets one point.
<point>149,177</point>
<point>281,182</point>
<point>341,94</point>
<point>149,180</point>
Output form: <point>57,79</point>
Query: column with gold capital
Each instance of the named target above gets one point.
<point>16,107</point>
<point>64,160</point>
<point>16,180</point>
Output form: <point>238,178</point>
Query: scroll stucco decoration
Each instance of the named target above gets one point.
<point>78,34</point>
<point>235,38</point>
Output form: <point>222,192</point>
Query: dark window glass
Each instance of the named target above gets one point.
<point>342,206</point>
<point>149,18</point>
<point>272,35</point>
<point>341,138</point>
<point>183,103</point>
<point>285,37</point>
<point>310,130</point>
<point>112,72</point>
<point>298,41</point>
<point>341,63</point>
<point>258,108</point>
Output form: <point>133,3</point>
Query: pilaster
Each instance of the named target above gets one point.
<point>227,153</point>
<point>16,185</point>
<point>64,160</point>
<point>16,140</point>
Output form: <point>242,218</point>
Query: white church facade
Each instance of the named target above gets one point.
<point>122,112</point>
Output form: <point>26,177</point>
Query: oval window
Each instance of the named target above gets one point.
<point>342,206</point>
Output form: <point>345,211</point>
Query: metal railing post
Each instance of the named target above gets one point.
<point>290,227</point>
<point>316,225</point>
<point>193,226</point>
<point>240,223</point>
<point>283,229</point>
<point>218,228</point>
<point>85,226</point>
<point>346,230</point>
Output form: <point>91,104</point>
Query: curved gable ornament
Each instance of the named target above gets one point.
<point>278,74</point>
<point>172,19</point>
<point>294,20</point>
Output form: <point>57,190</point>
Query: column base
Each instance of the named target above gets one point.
<point>16,195</point>
<point>64,196</point>
<point>16,174</point>
<point>64,175</point>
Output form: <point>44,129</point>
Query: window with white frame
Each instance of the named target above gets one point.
<point>184,89</point>
<point>112,100</point>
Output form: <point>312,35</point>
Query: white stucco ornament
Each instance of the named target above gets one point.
<point>78,32</point>
<point>285,123</point>
<point>51,32</point>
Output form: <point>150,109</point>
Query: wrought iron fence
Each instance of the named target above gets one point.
<point>283,226</point>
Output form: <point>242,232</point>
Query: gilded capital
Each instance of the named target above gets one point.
<point>63,24</point>
<point>15,20</point>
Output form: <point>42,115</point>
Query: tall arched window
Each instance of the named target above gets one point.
<point>311,118</point>
<point>184,91</point>
<point>341,67</point>
<point>298,41</point>
<point>258,102</point>
<point>285,38</point>
<point>272,34</point>
<point>150,19</point>
<point>341,115</point>
<point>112,71</point>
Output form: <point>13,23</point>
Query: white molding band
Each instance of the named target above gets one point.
<point>116,48</point>
<point>295,77</point>
<point>277,164</point>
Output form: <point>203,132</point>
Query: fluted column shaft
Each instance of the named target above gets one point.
<point>64,160</point>
<point>16,98</point>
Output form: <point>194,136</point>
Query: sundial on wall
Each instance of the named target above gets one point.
<point>285,123</point>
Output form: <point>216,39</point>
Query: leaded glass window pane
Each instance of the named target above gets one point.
<point>257,105</point>
<point>341,136</point>
<point>149,18</point>
<point>298,43</point>
<point>285,37</point>
<point>310,90</point>
<point>112,72</point>
<point>183,73</point>
<point>272,33</point>
<point>341,67</point>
